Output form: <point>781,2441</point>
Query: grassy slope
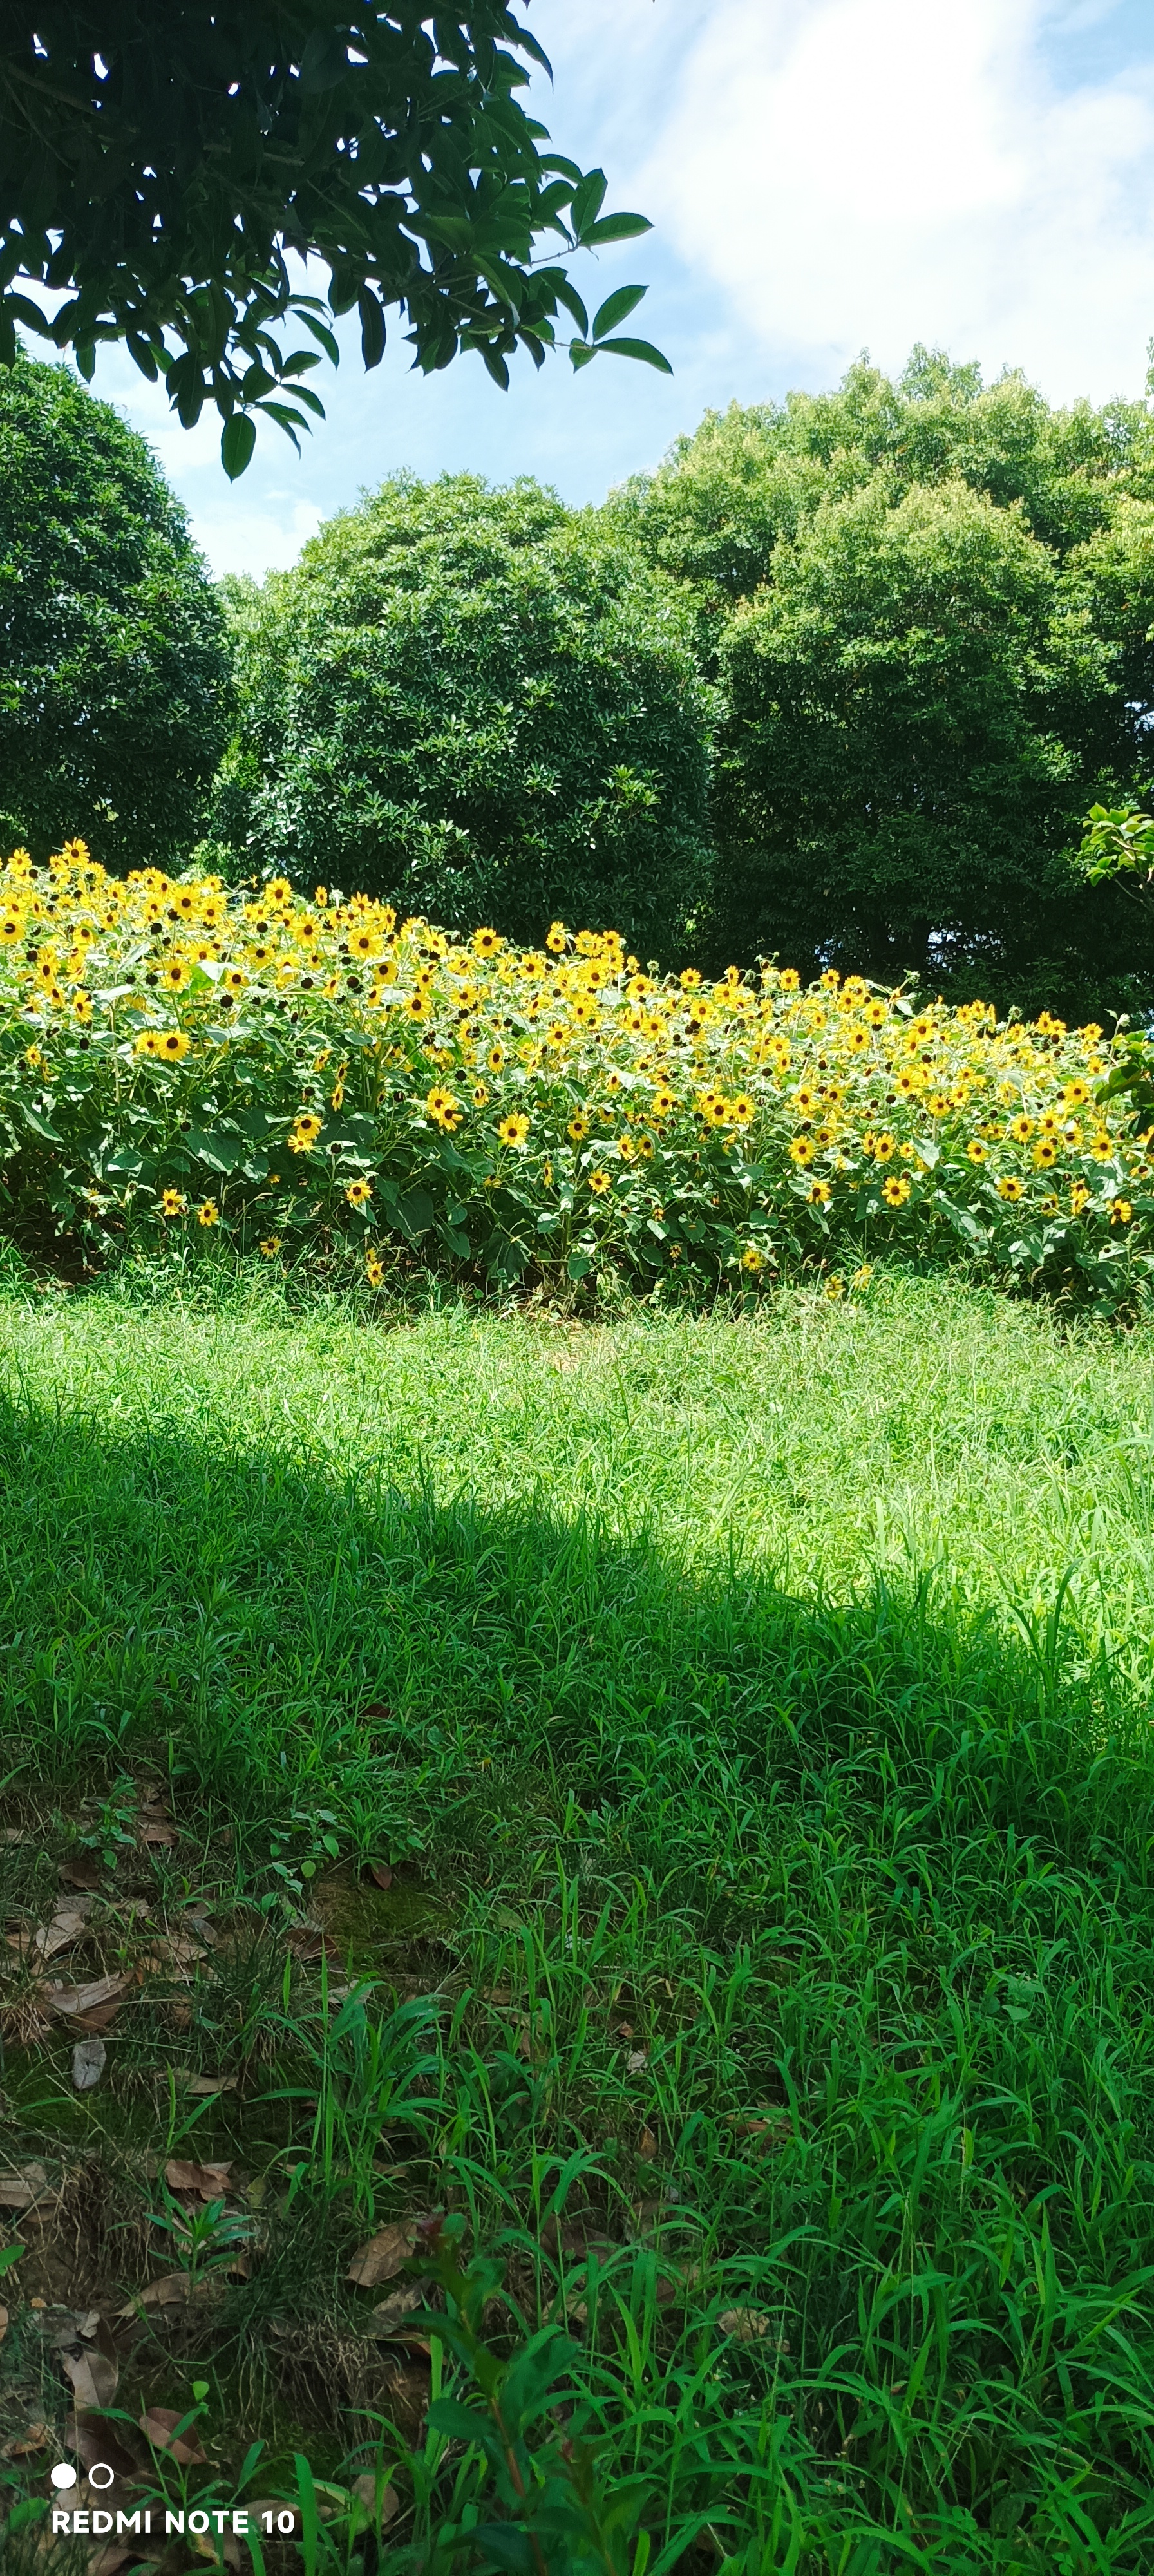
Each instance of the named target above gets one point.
<point>748,1634</point>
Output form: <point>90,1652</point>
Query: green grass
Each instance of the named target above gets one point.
<point>777,1689</point>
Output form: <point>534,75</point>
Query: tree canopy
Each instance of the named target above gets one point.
<point>482,705</point>
<point>115,678</point>
<point>929,608</point>
<point>161,165</point>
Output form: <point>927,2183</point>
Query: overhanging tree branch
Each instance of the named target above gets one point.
<point>159,164</point>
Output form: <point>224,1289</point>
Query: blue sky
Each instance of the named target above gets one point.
<point>823,176</point>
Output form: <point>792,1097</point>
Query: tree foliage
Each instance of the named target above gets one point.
<point>929,606</point>
<point>115,680</point>
<point>160,165</point>
<point>481,705</point>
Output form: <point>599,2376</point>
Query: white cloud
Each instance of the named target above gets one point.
<point>257,541</point>
<point>874,172</point>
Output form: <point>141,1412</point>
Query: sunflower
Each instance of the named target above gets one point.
<point>358,1193</point>
<point>896,1190</point>
<point>1009,1187</point>
<point>208,1213</point>
<point>1021,1129</point>
<point>1079,1198</point>
<point>578,1127</point>
<point>485,943</point>
<point>751,1258</point>
<point>1121,1212</point>
<point>834,1287</point>
<point>374,1269</point>
<point>172,1203</point>
<point>172,1045</point>
<point>599,1183</point>
<point>443,1108</point>
<point>270,1246</point>
<point>1049,1205</point>
<point>820,1193</point>
<point>556,937</point>
<point>976,1151</point>
<point>514,1129</point>
<point>802,1149</point>
<point>1045,1154</point>
<point>742,1109</point>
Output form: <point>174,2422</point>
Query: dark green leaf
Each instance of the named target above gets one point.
<point>643,349</point>
<point>237,441</point>
<point>587,201</point>
<point>324,61</point>
<point>613,228</point>
<point>372,327</point>
<point>500,2544</point>
<point>616,307</point>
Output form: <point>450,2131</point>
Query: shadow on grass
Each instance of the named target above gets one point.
<point>287,1640</point>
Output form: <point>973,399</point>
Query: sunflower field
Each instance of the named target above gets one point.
<point>186,1063</point>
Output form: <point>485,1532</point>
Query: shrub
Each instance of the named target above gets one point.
<point>181,1063</point>
<point>478,705</point>
<point>115,688</point>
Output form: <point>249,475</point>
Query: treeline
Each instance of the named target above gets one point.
<point>838,682</point>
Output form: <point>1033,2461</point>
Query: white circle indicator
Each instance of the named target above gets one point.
<point>100,2475</point>
<point>63,2475</point>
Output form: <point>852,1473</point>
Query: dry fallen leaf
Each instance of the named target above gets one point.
<point>94,2377</point>
<point>157,1834</point>
<point>382,2257</point>
<point>746,2325</point>
<point>100,2019</point>
<point>82,1871</point>
<point>378,2501</point>
<point>38,2437</point>
<point>61,2326</point>
<point>19,2190</point>
<point>89,2058</point>
<point>67,1925</point>
<point>647,2146</point>
<point>211,2181</point>
<point>308,1942</point>
<point>379,1869</point>
<point>190,2083</point>
<point>637,2058</point>
<point>94,2437</point>
<point>174,2290</point>
<point>390,2314</point>
<point>3,2323</point>
<point>70,2000</point>
<point>159,2427</point>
